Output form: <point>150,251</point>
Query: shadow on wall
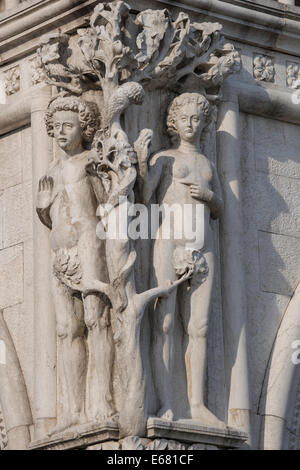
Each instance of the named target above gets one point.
<point>270,158</point>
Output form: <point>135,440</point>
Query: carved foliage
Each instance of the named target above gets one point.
<point>37,71</point>
<point>150,48</point>
<point>263,68</point>
<point>293,75</point>
<point>12,80</point>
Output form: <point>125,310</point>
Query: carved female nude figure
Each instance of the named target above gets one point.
<point>183,175</point>
<point>67,205</point>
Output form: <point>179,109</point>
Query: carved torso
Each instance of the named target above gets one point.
<point>73,209</point>
<point>179,171</point>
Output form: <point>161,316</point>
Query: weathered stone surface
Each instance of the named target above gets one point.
<point>10,160</point>
<point>11,276</point>
<point>262,333</point>
<point>269,204</point>
<point>192,431</point>
<point>279,263</point>
<point>276,147</point>
<point>26,146</point>
<point>19,319</point>
<point>17,214</point>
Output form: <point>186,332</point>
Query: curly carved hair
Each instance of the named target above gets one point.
<point>181,100</point>
<point>88,112</point>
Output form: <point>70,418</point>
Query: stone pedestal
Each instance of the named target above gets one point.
<point>79,437</point>
<point>162,435</point>
<point>192,432</point>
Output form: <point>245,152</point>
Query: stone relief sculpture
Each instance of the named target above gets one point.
<point>101,168</point>
<point>183,175</point>
<point>12,81</point>
<point>263,68</point>
<point>67,204</point>
<point>292,75</point>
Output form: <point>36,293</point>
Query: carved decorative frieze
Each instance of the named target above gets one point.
<point>12,80</point>
<point>263,68</point>
<point>293,75</point>
<point>37,71</point>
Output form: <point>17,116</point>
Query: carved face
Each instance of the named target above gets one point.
<point>67,131</point>
<point>190,122</point>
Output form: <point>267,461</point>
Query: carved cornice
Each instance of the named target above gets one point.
<point>20,27</point>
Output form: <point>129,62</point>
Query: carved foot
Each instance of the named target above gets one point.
<point>205,416</point>
<point>166,413</point>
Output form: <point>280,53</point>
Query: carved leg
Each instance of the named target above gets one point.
<point>197,306</point>
<point>163,353</point>
<point>100,345</point>
<point>70,332</point>
<point>163,331</point>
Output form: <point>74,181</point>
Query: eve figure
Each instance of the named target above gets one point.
<point>183,176</point>
<point>67,205</point>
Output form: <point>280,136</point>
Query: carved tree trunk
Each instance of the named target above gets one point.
<point>131,373</point>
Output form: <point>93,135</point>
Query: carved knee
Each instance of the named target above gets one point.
<point>198,331</point>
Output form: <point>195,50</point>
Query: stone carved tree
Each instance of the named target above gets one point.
<point>124,56</point>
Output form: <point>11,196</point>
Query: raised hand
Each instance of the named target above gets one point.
<point>44,196</point>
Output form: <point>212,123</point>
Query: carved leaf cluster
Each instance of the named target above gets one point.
<point>263,68</point>
<point>150,48</point>
<point>293,75</point>
<point>67,267</point>
<point>12,80</point>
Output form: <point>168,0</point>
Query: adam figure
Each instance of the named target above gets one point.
<point>67,204</point>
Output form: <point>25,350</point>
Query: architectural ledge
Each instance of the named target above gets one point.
<point>192,431</point>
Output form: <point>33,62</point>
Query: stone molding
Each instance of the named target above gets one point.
<point>24,23</point>
<point>162,435</point>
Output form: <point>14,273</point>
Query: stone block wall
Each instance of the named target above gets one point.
<point>16,244</point>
